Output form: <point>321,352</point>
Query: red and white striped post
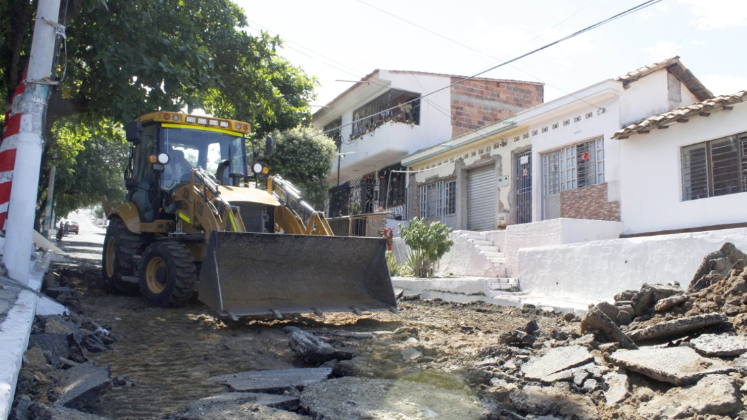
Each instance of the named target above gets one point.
<point>8,148</point>
<point>32,108</point>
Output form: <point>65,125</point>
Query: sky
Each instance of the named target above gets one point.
<point>340,41</point>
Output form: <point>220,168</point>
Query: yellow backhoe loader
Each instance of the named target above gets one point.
<point>196,220</point>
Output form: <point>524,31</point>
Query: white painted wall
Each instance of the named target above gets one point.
<point>598,270</point>
<point>651,172</point>
<point>553,232</point>
<point>392,141</point>
<point>650,96</point>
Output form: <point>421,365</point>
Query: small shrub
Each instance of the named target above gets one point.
<point>428,243</point>
<point>391,262</point>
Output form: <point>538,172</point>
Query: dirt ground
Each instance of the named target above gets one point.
<point>167,355</point>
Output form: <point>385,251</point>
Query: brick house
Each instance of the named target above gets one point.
<point>556,160</point>
<point>389,114</point>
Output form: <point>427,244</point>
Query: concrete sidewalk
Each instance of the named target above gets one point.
<point>18,307</point>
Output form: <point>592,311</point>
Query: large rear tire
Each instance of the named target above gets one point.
<point>167,274</point>
<point>120,247</point>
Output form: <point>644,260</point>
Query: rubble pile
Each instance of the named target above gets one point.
<point>57,379</point>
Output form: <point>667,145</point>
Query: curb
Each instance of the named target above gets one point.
<point>14,335</point>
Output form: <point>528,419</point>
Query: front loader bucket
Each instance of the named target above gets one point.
<point>262,274</point>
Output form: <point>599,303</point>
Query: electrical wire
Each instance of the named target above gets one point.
<point>534,51</point>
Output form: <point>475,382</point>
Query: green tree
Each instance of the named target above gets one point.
<point>304,156</point>
<point>428,243</point>
<point>125,58</point>
<point>90,163</point>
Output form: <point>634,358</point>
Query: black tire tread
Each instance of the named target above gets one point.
<point>185,273</point>
<point>127,245</point>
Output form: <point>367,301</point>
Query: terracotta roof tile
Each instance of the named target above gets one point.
<point>681,114</point>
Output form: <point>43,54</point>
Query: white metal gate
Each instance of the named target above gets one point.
<point>481,198</point>
<point>523,177</point>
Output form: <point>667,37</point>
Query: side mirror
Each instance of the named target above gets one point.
<point>134,132</point>
<point>269,147</point>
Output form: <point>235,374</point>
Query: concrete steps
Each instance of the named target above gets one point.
<point>484,246</point>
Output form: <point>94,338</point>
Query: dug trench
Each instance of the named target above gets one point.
<point>432,359</point>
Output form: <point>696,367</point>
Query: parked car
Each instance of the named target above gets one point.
<point>74,227</point>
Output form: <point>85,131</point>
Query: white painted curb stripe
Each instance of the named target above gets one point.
<point>15,331</point>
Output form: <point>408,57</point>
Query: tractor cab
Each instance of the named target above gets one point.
<point>167,146</point>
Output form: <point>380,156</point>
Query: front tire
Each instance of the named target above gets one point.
<point>120,247</point>
<point>167,274</point>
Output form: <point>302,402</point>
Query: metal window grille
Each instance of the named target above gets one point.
<point>438,199</point>
<point>714,168</point>
<point>551,173</point>
<point>451,197</point>
<point>572,167</point>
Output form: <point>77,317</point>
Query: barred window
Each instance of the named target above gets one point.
<point>573,167</point>
<point>438,199</point>
<point>713,168</point>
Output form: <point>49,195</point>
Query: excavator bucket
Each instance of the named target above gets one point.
<point>265,274</point>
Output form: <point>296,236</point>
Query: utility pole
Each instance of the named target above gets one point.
<point>48,220</point>
<point>23,193</point>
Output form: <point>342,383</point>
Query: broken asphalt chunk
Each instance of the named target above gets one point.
<point>596,320</point>
<point>273,380</point>
<point>351,398</point>
<point>714,394</point>
<point>720,345</point>
<point>556,359</point>
<point>81,384</point>
<point>312,349</point>
<point>542,401</point>
<point>675,365</point>
<point>677,327</point>
<point>239,405</point>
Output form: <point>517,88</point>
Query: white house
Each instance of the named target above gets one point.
<point>556,160</point>
<point>686,169</point>
<point>389,114</point>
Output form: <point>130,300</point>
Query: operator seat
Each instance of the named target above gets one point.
<point>176,171</point>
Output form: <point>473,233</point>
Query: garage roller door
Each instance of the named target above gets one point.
<point>481,198</point>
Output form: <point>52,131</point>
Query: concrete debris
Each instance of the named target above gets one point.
<point>312,349</point>
<point>675,365</point>
<point>643,300</point>
<point>720,345</point>
<point>56,346</point>
<point>555,360</point>
<point>714,395</point>
<point>554,401</point>
<point>81,384</point>
<point>677,327</point>
<point>273,380</point>
<point>517,338</point>
<point>358,398</point>
<point>618,387</point>
<point>242,405</point>
<point>598,322</point>
<point>670,302</point>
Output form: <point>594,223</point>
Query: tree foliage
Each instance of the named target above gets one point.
<point>126,58</point>
<point>304,156</point>
<point>427,242</point>
<point>90,162</point>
